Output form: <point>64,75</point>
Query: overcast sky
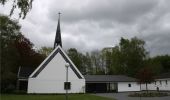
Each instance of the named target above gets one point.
<point>94,24</point>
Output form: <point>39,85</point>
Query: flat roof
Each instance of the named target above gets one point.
<point>108,78</point>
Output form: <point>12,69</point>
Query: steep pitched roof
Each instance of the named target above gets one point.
<point>58,40</point>
<point>57,50</point>
<point>25,72</point>
<point>108,78</point>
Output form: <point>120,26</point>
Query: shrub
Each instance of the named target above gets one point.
<point>151,94</point>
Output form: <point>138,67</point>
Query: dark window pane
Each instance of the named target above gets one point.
<point>67,85</point>
<point>129,85</point>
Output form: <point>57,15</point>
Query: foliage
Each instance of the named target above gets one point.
<point>45,51</point>
<point>82,61</point>
<point>164,62</point>
<point>132,55</point>
<point>29,58</point>
<point>16,50</point>
<point>88,64</point>
<point>159,64</point>
<point>106,60</point>
<point>145,76</point>
<point>23,5</point>
<point>117,67</point>
<point>154,65</point>
<point>97,60</point>
<point>151,94</point>
<point>75,56</point>
<point>126,58</point>
<point>9,55</point>
<point>53,97</point>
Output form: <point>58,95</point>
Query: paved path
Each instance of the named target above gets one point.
<point>124,96</point>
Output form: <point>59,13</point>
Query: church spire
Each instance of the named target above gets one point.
<point>58,34</point>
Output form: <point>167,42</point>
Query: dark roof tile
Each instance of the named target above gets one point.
<point>25,72</point>
<point>108,78</point>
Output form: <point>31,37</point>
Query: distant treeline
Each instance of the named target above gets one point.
<point>128,57</point>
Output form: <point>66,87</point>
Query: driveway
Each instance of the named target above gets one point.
<point>124,96</point>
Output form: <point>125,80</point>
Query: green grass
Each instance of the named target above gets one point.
<point>52,97</point>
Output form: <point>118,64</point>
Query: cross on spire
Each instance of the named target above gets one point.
<point>59,15</point>
<point>58,34</point>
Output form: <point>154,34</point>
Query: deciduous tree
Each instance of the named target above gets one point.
<point>16,50</point>
<point>145,76</point>
<point>23,5</point>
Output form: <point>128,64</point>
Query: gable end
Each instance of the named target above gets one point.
<point>50,58</point>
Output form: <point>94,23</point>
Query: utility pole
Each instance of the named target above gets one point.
<point>66,84</point>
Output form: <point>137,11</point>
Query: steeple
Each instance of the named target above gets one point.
<point>58,34</point>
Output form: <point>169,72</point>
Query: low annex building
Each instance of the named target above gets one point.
<point>111,83</point>
<point>161,83</point>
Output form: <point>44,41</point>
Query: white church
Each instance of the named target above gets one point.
<point>56,73</point>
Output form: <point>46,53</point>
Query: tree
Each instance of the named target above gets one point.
<point>10,30</point>
<point>16,50</point>
<point>145,76</point>
<point>75,56</point>
<point>154,65</point>
<point>97,62</point>
<point>106,56</point>
<point>28,56</point>
<point>116,62</point>
<point>23,5</point>
<point>45,50</point>
<point>164,61</point>
<point>132,54</point>
<point>159,64</point>
<point>88,64</point>
<point>126,58</point>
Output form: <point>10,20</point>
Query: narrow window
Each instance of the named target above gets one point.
<point>129,85</point>
<point>166,82</point>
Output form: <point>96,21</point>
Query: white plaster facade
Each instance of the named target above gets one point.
<point>162,84</point>
<point>128,86</point>
<point>51,79</point>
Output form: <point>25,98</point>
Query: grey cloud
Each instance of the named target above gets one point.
<point>122,11</point>
<point>93,24</point>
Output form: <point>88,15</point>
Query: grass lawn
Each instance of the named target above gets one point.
<point>52,97</point>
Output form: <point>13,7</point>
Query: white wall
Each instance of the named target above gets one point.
<point>51,79</point>
<point>163,86</point>
<point>123,86</point>
<point>54,86</point>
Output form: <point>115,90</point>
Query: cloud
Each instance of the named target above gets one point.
<point>92,24</point>
<point>113,10</point>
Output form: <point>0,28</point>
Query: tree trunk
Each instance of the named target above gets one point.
<point>146,87</point>
<point>140,86</point>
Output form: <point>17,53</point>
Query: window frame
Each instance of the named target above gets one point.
<point>129,85</point>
